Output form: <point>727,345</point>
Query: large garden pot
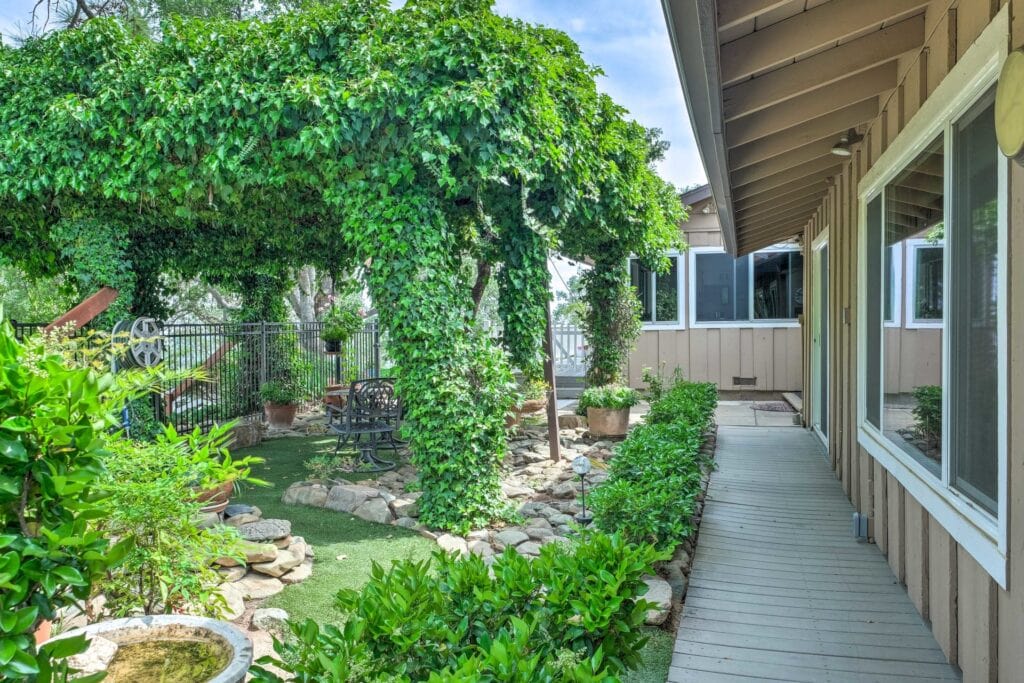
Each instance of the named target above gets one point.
<point>165,647</point>
<point>608,421</point>
<point>280,415</point>
<point>217,498</point>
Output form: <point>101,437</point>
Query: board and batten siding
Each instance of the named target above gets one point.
<point>977,622</point>
<point>771,356</point>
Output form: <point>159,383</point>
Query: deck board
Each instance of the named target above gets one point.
<point>780,589</point>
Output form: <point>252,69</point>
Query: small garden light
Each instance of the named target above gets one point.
<point>581,466</point>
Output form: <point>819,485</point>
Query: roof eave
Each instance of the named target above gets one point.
<point>693,32</point>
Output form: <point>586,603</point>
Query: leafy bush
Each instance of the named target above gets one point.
<point>54,418</point>
<point>342,321</point>
<point>280,392</point>
<point>153,505</point>
<point>655,475</point>
<point>610,396</point>
<point>572,614</point>
<point>928,412</point>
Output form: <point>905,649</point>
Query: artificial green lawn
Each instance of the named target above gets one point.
<point>334,534</point>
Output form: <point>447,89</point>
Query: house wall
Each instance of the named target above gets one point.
<point>977,623</point>
<point>771,355</point>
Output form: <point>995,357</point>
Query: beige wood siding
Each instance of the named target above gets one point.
<point>977,623</point>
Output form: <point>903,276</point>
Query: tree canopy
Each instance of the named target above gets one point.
<point>340,135</point>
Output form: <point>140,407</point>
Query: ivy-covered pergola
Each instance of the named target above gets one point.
<point>405,140</point>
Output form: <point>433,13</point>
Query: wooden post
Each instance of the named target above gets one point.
<point>549,377</point>
<point>83,313</point>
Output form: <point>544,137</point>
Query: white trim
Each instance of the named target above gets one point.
<point>913,246</point>
<point>679,324</point>
<point>750,321</point>
<point>898,284</point>
<point>973,528</point>
<point>818,305</point>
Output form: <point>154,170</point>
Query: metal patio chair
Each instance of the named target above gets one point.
<point>369,419</point>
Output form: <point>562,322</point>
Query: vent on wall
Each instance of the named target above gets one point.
<point>744,381</point>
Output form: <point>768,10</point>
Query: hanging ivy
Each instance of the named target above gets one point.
<point>342,135</point>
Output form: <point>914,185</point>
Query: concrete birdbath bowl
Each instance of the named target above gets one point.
<point>165,647</point>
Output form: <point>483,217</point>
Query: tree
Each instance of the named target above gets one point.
<point>345,135</point>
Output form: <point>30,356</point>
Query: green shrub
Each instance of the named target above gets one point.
<point>572,614</point>
<point>342,321</point>
<point>609,396</point>
<point>928,412</point>
<point>280,392</point>
<point>655,475</point>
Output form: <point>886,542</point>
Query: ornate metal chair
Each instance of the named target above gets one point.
<point>369,419</point>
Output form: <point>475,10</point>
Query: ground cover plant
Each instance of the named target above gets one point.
<point>343,134</point>
<point>575,613</point>
<point>655,476</point>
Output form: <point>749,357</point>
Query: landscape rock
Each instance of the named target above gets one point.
<point>406,506</point>
<point>571,421</point>
<point>560,519</point>
<point>660,593</point>
<point>510,537</point>
<point>406,522</point>
<point>481,548</point>
<point>566,489</point>
<point>235,509</point>
<point>234,599</point>
<point>539,533</point>
<point>239,520</point>
<point>478,535</point>
<point>284,562</point>
<point>299,548</point>
<point>258,586</point>
<point>232,574</point>
<point>266,530</point>
<point>529,548</point>
<point>206,520</point>
<point>274,620</point>
<point>516,490</point>
<point>374,510</point>
<point>299,574</point>
<point>452,544</point>
<point>348,497</point>
<point>305,493</point>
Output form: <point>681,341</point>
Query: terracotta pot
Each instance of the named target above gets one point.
<point>281,415</point>
<point>334,395</point>
<point>43,631</point>
<point>608,421</point>
<point>217,498</point>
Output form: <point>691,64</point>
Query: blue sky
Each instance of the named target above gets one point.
<point>626,39</point>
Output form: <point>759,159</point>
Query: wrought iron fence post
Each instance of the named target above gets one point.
<point>376,348</point>
<point>263,352</point>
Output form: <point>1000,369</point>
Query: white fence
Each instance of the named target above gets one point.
<point>570,349</point>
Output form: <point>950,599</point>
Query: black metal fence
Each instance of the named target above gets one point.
<point>236,359</point>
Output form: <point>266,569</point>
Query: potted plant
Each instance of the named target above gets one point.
<point>607,409</point>
<point>341,322</point>
<point>280,402</point>
<point>533,396</point>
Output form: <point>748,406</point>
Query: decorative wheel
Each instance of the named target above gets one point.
<point>143,340</point>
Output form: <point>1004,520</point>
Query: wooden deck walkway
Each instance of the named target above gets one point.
<point>781,590</point>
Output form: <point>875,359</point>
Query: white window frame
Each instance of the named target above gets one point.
<point>913,245</point>
<point>981,534</point>
<point>897,288</point>
<point>680,324</point>
<point>750,322</point>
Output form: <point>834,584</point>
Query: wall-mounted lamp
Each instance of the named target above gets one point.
<point>842,148</point>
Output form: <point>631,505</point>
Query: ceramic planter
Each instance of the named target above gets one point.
<point>608,421</point>
<point>217,498</point>
<point>280,415</point>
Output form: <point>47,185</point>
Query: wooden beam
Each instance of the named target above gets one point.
<point>797,110</point>
<point>777,232</point>
<point>781,217</point>
<point>833,124</point>
<point>764,210</point>
<point>794,157</point>
<point>783,179</point>
<point>797,187</point>
<point>751,174</point>
<point>806,32</point>
<point>823,68</point>
<point>90,307</point>
<point>752,244</point>
<point>732,13</point>
<point>926,183</point>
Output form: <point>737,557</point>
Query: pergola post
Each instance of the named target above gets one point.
<point>549,377</point>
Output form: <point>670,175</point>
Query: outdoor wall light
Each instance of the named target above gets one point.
<point>842,148</point>
<point>581,466</point>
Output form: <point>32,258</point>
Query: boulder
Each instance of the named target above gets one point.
<point>259,552</point>
<point>299,548</point>
<point>660,593</point>
<point>554,539</point>
<point>453,544</point>
<point>299,574</point>
<point>406,522</point>
<point>516,490</point>
<point>539,533</point>
<point>246,434</point>
<point>274,620</point>
<point>540,522</point>
<point>529,548</point>
<point>478,535</point>
<point>239,520</point>
<point>348,497</point>
<point>234,599</point>
<point>265,530</point>
<point>283,543</point>
<point>559,519</point>
<point>406,506</point>
<point>258,586</point>
<point>374,510</point>
<point>510,537</point>
<point>566,489</point>
<point>306,493</point>
<point>481,548</point>
<point>283,563</point>
<point>232,574</point>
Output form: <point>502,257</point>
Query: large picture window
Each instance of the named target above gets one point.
<point>659,293</point>
<point>763,287</point>
<point>933,396</point>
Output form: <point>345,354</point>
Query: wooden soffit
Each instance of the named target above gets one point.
<point>770,87</point>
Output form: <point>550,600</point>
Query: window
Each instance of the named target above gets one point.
<point>659,293</point>
<point>760,288</point>
<point>933,397</point>
<point>893,284</point>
